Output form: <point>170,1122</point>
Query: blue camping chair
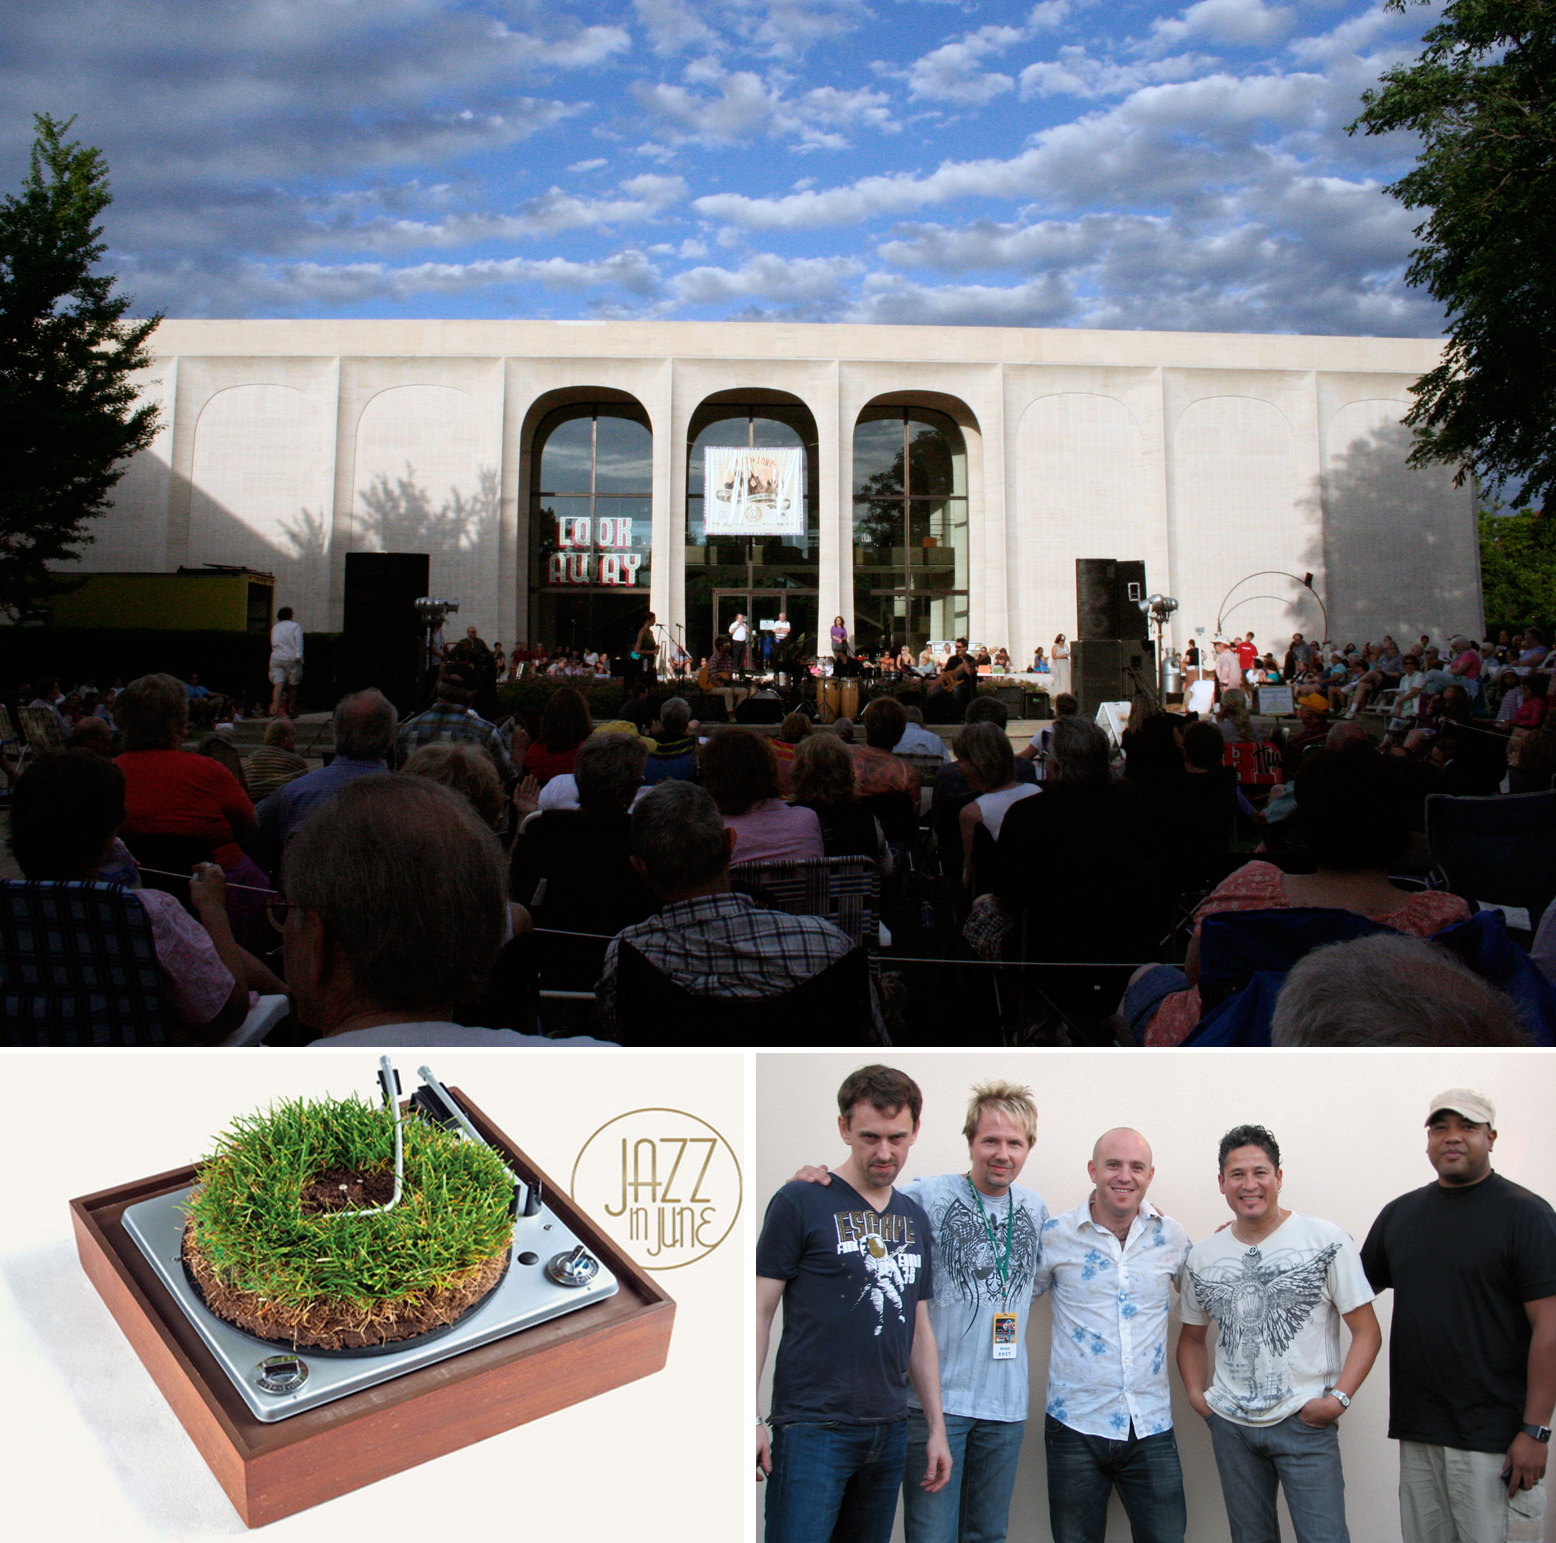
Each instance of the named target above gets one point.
<point>1246,955</point>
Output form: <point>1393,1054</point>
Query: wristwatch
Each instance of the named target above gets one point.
<point>1539,1432</point>
<point>1343,1398</point>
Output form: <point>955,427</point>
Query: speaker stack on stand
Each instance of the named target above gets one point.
<point>1109,624</point>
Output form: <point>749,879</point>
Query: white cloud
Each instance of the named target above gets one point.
<point>1226,21</point>
<point>590,165</point>
<point>1076,73</point>
<point>784,280</point>
<point>748,107</point>
<point>954,72</point>
<point>673,25</point>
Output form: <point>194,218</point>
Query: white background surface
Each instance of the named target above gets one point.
<point>1351,1128</point>
<point>91,1449</point>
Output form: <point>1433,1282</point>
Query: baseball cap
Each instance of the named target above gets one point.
<point>1467,1102</point>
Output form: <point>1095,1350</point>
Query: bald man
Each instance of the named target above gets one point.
<point>1112,1265</point>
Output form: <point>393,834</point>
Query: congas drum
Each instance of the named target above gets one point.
<point>849,706</point>
<point>834,690</point>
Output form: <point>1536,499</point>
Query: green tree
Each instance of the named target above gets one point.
<point>1517,570</point>
<point>66,357</point>
<point>1482,98</point>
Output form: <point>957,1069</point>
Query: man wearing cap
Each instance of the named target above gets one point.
<point>1313,714</point>
<point>452,718</point>
<point>1471,1260</point>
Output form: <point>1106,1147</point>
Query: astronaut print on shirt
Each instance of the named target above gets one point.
<point>890,1250</point>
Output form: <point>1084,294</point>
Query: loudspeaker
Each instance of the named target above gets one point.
<point>383,637</point>
<point>760,709</point>
<point>382,589</point>
<point>1107,598</point>
<point>1097,673</point>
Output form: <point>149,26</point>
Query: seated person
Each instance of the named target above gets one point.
<point>706,939</point>
<point>169,792</point>
<point>64,813</point>
<point>674,752</point>
<point>564,726</point>
<point>276,762</point>
<point>1355,825</point>
<point>991,770</point>
<point>791,732</point>
<point>951,694</point>
<point>1081,858</point>
<point>953,784</point>
<point>916,739</point>
<point>721,674</point>
<point>822,780</point>
<point>739,769</point>
<point>396,909</point>
<point>876,769</point>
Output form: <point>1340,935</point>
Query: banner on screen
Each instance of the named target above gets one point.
<point>752,492</point>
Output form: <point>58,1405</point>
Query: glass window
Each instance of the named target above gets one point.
<point>762,577</point>
<point>910,528</point>
<point>592,530</point>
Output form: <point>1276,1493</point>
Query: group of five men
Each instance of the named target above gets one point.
<point>902,1362</point>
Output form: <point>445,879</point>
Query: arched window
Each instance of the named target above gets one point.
<point>763,577</point>
<point>910,528</point>
<point>592,524</point>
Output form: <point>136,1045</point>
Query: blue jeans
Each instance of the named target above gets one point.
<point>975,1506</point>
<point>1300,1459</point>
<point>834,1483</point>
<point>1083,1469</point>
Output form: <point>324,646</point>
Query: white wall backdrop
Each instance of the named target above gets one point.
<point>1351,1126</point>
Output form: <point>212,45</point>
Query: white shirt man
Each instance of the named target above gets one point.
<point>1111,1266</point>
<point>1278,1285</point>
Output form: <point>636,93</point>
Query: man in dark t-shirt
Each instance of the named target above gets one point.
<point>850,1262</point>
<point>1471,1260</point>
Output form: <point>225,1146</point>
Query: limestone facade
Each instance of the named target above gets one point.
<point>1228,463</point>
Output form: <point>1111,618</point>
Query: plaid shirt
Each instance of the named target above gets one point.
<point>447,721</point>
<point>726,945</point>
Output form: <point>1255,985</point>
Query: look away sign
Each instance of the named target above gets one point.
<point>752,492</point>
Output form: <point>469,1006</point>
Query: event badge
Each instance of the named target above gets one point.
<point>1004,1336</point>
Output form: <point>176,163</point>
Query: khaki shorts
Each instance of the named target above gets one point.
<point>289,673</point>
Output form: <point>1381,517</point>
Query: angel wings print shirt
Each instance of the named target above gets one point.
<point>983,1265</point>
<point>1108,1366</point>
<point>1277,1308</point>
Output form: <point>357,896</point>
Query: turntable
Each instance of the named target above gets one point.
<point>284,1426</point>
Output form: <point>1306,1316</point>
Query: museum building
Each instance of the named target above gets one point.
<point>946,480</point>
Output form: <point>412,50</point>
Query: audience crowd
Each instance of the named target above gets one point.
<point>341,884</point>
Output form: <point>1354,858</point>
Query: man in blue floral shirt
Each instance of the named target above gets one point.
<point>1112,1264</point>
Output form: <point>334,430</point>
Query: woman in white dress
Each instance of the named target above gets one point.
<point>1059,665</point>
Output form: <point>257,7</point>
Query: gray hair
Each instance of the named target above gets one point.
<point>1078,752</point>
<point>410,885</point>
<point>1389,989</point>
<point>674,714</point>
<point>364,726</point>
<point>678,833</point>
<point>608,770</point>
<point>153,711</point>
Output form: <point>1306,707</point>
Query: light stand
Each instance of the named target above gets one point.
<point>1158,608</point>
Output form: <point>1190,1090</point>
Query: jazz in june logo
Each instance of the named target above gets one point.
<point>668,1182</point>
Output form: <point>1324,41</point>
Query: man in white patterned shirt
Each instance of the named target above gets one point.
<point>1112,1264</point>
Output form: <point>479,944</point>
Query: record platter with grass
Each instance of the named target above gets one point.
<point>345,1288</point>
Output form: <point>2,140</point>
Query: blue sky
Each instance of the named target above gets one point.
<point>1098,163</point>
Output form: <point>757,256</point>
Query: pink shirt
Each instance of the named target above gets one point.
<point>773,831</point>
<point>195,979</point>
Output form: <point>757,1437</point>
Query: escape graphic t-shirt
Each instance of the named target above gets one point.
<point>855,1276</point>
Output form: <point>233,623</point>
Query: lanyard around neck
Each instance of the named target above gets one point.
<point>1003,1266</point>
